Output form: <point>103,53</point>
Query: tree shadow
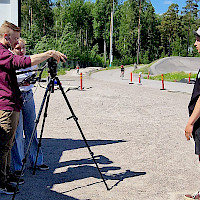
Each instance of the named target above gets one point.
<point>42,185</point>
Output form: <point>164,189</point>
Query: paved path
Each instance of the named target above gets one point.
<point>136,132</point>
<point>114,76</point>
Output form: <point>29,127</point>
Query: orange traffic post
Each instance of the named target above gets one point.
<point>189,78</point>
<point>139,81</point>
<point>148,74</point>
<point>81,80</point>
<point>131,78</point>
<point>162,79</point>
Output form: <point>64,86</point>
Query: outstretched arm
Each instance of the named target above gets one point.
<point>39,58</point>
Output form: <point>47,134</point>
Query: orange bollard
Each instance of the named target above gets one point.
<point>189,78</point>
<point>81,80</point>
<point>139,79</point>
<point>148,74</point>
<point>162,79</point>
<point>139,82</point>
<point>131,78</point>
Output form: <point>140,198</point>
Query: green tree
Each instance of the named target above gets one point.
<point>127,41</point>
<point>37,20</point>
<point>39,13</point>
<point>150,34</point>
<point>81,29</point>
<point>101,24</point>
<point>190,19</point>
<point>169,27</point>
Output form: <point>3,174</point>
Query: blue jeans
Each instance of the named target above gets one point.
<point>26,126</point>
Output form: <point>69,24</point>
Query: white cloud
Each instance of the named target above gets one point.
<point>168,2</point>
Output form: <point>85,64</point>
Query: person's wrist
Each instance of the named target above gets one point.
<point>50,53</point>
<point>190,123</point>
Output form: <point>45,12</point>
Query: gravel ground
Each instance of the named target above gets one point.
<point>135,131</point>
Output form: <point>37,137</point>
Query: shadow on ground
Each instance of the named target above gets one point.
<point>40,186</point>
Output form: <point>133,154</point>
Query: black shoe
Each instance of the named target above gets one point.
<point>12,179</point>
<point>8,189</point>
<point>42,167</point>
<point>18,173</point>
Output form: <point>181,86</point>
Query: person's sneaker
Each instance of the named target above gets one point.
<point>12,179</point>
<point>42,167</point>
<point>18,173</point>
<point>193,196</point>
<point>8,189</point>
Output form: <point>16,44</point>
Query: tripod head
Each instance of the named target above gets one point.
<point>52,65</point>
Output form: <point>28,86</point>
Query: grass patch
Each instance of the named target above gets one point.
<point>112,67</point>
<point>174,76</point>
<point>61,71</point>
<point>144,69</point>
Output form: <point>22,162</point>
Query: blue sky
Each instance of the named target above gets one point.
<point>161,6</point>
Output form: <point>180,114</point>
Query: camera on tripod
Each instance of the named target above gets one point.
<point>52,65</point>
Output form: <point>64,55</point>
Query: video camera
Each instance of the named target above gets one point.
<point>52,65</point>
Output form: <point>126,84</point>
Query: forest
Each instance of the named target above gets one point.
<point>81,30</point>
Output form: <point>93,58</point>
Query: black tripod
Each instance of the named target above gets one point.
<point>46,98</point>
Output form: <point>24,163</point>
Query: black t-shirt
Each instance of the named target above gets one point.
<point>194,98</point>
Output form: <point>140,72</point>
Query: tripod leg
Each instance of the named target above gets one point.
<point>42,129</point>
<point>76,120</point>
<point>33,132</point>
